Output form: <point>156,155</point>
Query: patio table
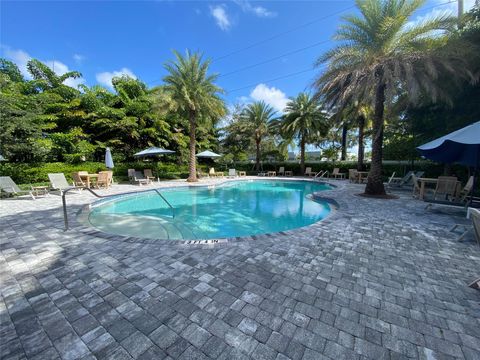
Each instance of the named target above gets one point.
<point>288,173</point>
<point>272,173</point>
<point>242,173</point>
<point>88,178</point>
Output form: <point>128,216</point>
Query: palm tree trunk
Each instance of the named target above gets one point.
<point>192,165</point>
<point>375,180</point>
<point>344,142</point>
<point>257,164</point>
<point>302,155</point>
<point>361,145</point>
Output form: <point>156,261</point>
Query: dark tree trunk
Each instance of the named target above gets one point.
<point>344,142</point>
<point>302,155</point>
<point>257,164</point>
<point>375,180</point>
<point>361,145</point>
<point>192,164</point>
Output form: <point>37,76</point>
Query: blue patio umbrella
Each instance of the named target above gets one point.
<point>461,146</point>
<point>152,151</point>
<point>108,159</point>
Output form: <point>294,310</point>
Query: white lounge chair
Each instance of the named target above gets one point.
<point>281,171</point>
<point>8,185</point>
<point>232,173</point>
<point>309,172</point>
<point>59,182</point>
<point>337,174</point>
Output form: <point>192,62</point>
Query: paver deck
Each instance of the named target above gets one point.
<point>379,279</point>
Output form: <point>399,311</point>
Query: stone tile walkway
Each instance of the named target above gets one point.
<point>377,280</point>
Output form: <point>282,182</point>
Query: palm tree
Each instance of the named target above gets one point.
<point>194,93</point>
<point>304,120</point>
<point>259,116</point>
<point>382,55</point>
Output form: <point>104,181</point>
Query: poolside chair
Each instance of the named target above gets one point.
<point>59,182</point>
<point>281,171</point>
<point>390,179</point>
<point>232,173</point>
<point>8,185</point>
<point>213,173</point>
<point>446,187</point>
<point>309,172</point>
<point>353,175</point>
<point>148,174</point>
<point>462,196</point>
<point>402,181</point>
<point>77,179</point>
<point>136,177</point>
<point>337,174</point>
<point>103,179</point>
<point>416,187</point>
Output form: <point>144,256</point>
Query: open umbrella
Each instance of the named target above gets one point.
<point>461,146</point>
<point>152,151</point>
<point>108,159</point>
<point>208,154</point>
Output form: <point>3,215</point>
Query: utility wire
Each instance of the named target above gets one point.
<point>281,34</point>
<point>290,52</point>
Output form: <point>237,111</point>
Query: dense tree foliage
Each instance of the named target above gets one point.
<point>45,120</point>
<point>382,56</point>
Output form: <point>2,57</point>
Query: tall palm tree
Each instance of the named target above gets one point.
<point>383,54</point>
<point>259,116</point>
<point>305,120</point>
<point>195,94</point>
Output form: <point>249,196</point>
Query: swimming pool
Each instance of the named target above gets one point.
<point>238,208</point>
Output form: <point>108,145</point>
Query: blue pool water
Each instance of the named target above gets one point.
<point>235,209</point>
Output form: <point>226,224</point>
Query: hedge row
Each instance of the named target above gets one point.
<point>37,173</point>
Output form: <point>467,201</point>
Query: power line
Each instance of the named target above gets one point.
<point>274,79</point>
<point>281,34</point>
<point>274,58</point>
<point>290,52</point>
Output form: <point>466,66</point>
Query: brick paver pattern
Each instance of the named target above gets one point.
<point>379,279</point>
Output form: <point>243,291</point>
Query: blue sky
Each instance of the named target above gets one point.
<point>105,38</point>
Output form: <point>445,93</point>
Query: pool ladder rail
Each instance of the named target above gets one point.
<point>64,200</point>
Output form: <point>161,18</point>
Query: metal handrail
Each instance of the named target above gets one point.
<point>64,200</point>
<point>322,174</point>
<point>166,201</point>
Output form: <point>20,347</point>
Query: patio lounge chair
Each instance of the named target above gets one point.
<point>148,174</point>
<point>446,187</point>
<point>8,185</point>
<point>59,182</point>
<point>475,215</point>
<point>337,174</point>
<point>136,177</point>
<point>281,171</point>
<point>462,196</point>
<point>402,181</point>
<point>212,173</point>
<point>232,173</point>
<point>309,172</point>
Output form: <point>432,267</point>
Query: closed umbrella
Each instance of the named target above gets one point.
<point>108,159</point>
<point>461,146</point>
<point>208,154</point>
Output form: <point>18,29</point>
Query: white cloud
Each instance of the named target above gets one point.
<point>78,58</point>
<point>221,17</point>
<point>259,11</point>
<point>21,58</point>
<point>271,95</point>
<point>105,78</point>
<point>442,8</point>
